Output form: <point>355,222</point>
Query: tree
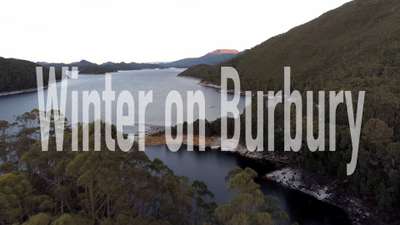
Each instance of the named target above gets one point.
<point>377,132</point>
<point>15,202</point>
<point>38,219</point>
<point>249,206</point>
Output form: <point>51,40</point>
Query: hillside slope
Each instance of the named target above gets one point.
<point>359,39</point>
<point>354,47</point>
<point>16,74</point>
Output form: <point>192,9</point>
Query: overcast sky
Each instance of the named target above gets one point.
<point>145,30</point>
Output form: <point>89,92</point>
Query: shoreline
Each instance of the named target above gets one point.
<point>218,87</point>
<point>298,180</point>
<point>310,184</point>
<point>19,92</point>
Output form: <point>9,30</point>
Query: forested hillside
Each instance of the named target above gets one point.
<point>112,187</point>
<point>354,47</point>
<point>18,74</point>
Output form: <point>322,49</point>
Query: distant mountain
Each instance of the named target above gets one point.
<point>86,67</point>
<point>210,58</point>
<point>16,74</point>
<point>129,66</point>
<point>358,39</point>
<point>224,52</point>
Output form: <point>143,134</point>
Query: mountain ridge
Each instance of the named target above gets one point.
<point>211,58</point>
<point>19,74</point>
<point>87,67</point>
<point>224,51</point>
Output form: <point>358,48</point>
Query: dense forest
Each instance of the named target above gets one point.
<point>354,47</point>
<point>16,75</point>
<point>112,188</point>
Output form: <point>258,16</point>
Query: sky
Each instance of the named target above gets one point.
<point>145,30</point>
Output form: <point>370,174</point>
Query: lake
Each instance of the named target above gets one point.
<point>211,167</point>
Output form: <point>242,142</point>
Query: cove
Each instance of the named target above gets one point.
<point>212,167</point>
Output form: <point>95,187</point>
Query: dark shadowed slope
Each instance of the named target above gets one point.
<point>16,74</point>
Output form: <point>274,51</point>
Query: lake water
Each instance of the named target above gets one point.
<point>210,167</point>
<point>160,82</point>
